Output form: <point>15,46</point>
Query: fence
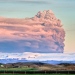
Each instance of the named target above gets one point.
<point>38,72</point>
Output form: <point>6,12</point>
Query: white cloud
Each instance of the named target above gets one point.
<point>39,56</point>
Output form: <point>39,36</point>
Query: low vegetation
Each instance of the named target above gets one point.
<point>36,66</point>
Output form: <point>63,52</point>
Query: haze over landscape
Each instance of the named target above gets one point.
<point>35,26</point>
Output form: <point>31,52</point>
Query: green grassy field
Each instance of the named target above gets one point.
<point>18,69</point>
<point>25,69</point>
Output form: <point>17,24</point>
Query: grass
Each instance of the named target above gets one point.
<point>18,69</point>
<point>25,69</point>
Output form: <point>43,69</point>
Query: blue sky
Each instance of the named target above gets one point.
<point>63,9</point>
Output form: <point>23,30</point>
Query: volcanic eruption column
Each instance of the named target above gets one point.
<point>41,33</point>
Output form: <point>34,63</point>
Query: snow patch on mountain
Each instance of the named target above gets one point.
<point>39,56</point>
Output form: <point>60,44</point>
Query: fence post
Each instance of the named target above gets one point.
<point>13,72</point>
<point>68,72</point>
<point>56,72</point>
<point>4,71</point>
<point>45,72</point>
<point>25,72</point>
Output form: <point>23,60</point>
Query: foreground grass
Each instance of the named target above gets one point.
<point>37,74</point>
<point>18,69</point>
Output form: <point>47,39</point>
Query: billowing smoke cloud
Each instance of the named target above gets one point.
<point>41,33</point>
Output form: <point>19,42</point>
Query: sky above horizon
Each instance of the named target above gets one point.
<point>64,10</point>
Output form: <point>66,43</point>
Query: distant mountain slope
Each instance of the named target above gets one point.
<point>38,66</point>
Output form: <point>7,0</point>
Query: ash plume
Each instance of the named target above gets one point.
<point>41,33</point>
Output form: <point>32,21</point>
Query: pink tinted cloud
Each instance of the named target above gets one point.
<point>44,29</point>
